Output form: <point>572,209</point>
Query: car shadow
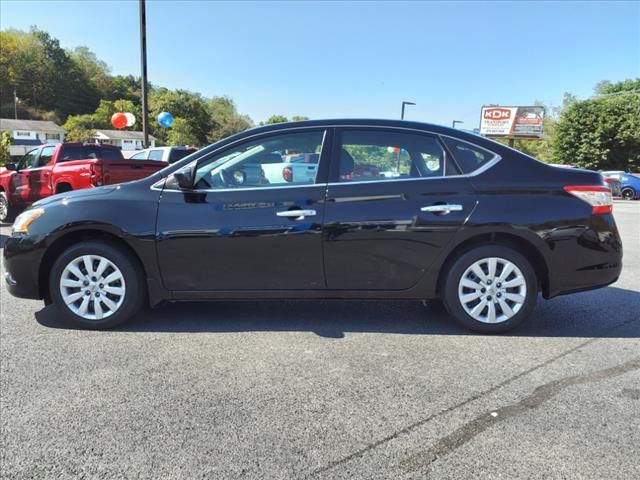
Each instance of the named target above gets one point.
<point>607,312</point>
<point>3,239</point>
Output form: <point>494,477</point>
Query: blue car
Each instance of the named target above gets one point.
<point>629,186</point>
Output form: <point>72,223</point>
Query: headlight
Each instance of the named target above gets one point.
<point>25,219</point>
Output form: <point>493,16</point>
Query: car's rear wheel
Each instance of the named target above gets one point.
<point>7,211</point>
<point>490,289</point>
<point>628,193</point>
<point>97,284</point>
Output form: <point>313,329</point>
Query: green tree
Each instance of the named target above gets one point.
<point>181,133</point>
<point>80,135</point>
<point>298,118</point>
<point>225,119</point>
<point>184,104</point>
<point>276,119</point>
<point>5,144</point>
<point>603,132</point>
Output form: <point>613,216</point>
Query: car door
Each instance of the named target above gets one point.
<point>394,200</point>
<point>19,189</point>
<point>235,230</point>
<point>39,178</point>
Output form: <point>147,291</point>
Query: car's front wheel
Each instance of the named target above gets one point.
<point>7,211</point>
<point>490,289</point>
<point>97,284</point>
<point>628,193</point>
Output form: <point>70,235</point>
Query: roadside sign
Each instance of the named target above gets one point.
<point>524,122</point>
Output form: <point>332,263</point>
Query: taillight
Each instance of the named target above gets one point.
<point>287,174</point>
<point>597,196</point>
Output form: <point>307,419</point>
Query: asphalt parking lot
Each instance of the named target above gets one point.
<point>370,390</point>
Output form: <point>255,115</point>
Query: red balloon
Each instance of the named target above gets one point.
<point>119,120</point>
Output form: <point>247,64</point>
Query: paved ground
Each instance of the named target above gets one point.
<point>327,390</point>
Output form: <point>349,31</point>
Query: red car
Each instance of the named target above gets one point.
<point>51,169</point>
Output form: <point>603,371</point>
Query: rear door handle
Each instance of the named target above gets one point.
<point>296,214</point>
<point>443,209</point>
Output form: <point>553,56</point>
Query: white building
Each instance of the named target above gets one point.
<point>125,139</point>
<point>29,133</point>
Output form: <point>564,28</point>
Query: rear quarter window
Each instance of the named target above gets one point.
<point>469,157</point>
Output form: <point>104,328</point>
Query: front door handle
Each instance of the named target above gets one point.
<point>296,214</point>
<point>443,209</point>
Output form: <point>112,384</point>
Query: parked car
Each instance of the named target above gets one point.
<point>462,230</point>
<point>51,169</point>
<point>164,154</point>
<point>629,183</point>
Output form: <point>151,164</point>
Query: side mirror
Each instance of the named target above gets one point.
<point>184,178</point>
<point>11,166</point>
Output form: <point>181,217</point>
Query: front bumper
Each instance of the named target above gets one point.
<point>22,258</point>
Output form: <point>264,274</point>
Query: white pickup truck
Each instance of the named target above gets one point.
<point>295,168</point>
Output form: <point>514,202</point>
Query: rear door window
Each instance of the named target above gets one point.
<point>379,155</point>
<point>468,157</point>
<point>70,153</point>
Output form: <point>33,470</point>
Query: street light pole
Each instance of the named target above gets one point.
<point>453,124</point>
<point>402,111</point>
<point>143,68</point>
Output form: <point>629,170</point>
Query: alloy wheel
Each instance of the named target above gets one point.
<point>4,208</point>
<point>92,287</point>
<point>492,290</point>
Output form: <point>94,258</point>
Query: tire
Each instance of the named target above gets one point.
<point>628,193</point>
<point>110,302</point>
<point>7,211</point>
<point>522,278</point>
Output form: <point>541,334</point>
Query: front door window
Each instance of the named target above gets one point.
<point>280,160</point>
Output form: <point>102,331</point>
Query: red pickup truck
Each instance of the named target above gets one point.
<point>51,169</point>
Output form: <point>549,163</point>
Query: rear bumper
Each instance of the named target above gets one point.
<point>585,258</point>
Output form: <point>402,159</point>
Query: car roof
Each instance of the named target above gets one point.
<point>372,122</point>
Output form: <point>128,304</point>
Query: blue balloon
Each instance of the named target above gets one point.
<point>165,119</point>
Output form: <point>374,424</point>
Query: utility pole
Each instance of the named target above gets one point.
<point>143,68</point>
<point>15,104</point>
<point>402,111</point>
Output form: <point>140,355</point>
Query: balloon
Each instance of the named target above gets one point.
<point>131,119</point>
<point>165,119</point>
<point>119,120</point>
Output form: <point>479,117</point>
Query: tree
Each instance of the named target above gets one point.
<point>276,119</point>
<point>5,147</point>
<point>181,103</point>
<point>43,74</point>
<point>602,133</point>
<point>226,119</point>
<point>80,135</point>
<point>181,133</point>
<point>298,118</point>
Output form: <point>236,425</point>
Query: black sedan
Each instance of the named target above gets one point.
<point>390,209</point>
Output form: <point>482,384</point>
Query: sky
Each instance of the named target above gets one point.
<point>356,59</point>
